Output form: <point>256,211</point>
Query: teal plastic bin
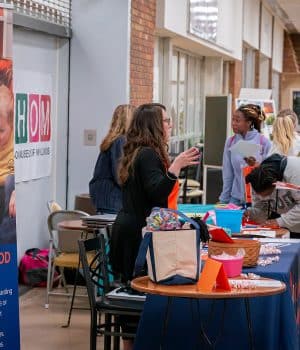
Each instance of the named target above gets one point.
<point>229,219</point>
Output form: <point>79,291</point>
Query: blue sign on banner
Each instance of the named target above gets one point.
<point>9,298</point>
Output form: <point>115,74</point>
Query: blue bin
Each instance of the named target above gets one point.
<point>229,219</point>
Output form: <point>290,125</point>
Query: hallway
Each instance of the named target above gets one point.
<point>42,329</point>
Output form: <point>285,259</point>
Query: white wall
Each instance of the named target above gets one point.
<point>278,40</point>
<point>173,18</point>
<point>251,22</point>
<point>46,55</point>
<point>266,32</point>
<point>99,80</point>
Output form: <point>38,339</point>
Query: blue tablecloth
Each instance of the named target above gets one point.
<point>273,318</point>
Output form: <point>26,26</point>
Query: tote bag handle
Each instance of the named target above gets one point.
<point>183,216</point>
<point>141,257</point>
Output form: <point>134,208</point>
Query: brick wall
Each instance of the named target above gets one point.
<point>289,56</point>
<point>290,77</point>
<point>142,51</point>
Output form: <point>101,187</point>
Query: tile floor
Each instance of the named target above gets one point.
<point>41,328</point>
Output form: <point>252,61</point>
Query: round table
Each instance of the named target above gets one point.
<point>73,225</point>
<point>144,284</point>
<point>191,291</point>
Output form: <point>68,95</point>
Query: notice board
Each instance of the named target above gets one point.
<point>217,128</point>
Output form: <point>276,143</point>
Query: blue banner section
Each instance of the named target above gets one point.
<point>9,298</point>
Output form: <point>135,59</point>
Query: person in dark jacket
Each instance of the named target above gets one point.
<point>148,180</point>
<point>104,187</point>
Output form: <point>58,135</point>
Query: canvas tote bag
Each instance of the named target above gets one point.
<point>173,256</point>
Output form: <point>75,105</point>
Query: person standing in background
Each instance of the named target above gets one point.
<point>148,180</point>
<point>285,139</point>
<point>104,187</point>
<point>246,125</point>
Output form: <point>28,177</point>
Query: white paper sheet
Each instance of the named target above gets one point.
<point>245,148</point>
<point>257,283</point>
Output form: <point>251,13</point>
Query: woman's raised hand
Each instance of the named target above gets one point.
<point>186,158</point>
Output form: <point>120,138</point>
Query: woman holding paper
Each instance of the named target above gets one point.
<point>246,125</point>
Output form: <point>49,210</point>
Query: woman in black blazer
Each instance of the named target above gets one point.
<point>148,180</point>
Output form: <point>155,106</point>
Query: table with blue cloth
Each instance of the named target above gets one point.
<point>275,319</point>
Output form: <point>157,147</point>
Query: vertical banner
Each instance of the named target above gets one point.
<point>9,296</point>
<point>33,146</point>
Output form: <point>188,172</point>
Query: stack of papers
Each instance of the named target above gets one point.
<point>257,283</point>
<point>99,221</point>
<point>264,233</point>
<point>117,294</point>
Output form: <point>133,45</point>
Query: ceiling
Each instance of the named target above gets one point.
<point>289,12</point>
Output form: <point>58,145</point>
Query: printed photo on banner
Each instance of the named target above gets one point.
<point>7,180</point>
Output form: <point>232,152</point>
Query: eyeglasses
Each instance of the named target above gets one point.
<point>167,120</point>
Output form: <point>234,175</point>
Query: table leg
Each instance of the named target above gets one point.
<point>166,322</point>
<point>202,335</point>
<point>247,307</point>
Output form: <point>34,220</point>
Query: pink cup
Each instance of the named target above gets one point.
<point>233,266</point>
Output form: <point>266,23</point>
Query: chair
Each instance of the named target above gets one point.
<point>97,280</point>
<point>190,184</point>
<point>53,206</point>
<point>63,249</point>
<point>84,202</point>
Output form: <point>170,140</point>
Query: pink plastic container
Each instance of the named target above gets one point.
<point>232,267</point>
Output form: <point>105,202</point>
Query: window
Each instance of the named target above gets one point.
<point>276,89</point>
<point>264,72</point>
<point>225,85</point>
<point>186,100</point>
<point>248,77</point>
<point>51,11</point>
<point>204,18</point>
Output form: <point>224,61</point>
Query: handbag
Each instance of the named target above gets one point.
<point>33,269</point>
<point>173,256</point>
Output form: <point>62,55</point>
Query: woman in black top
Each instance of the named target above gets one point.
<point>147,180</point>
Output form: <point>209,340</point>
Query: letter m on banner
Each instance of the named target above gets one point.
<point>45,119</point>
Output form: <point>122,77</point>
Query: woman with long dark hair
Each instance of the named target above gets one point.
<point>148,180</point>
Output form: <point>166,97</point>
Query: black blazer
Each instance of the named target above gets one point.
<point>148,185</point>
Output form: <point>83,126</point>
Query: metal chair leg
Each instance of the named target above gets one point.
<point>107,338</point>
<point>116,340</point>
<point>73,297</point>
